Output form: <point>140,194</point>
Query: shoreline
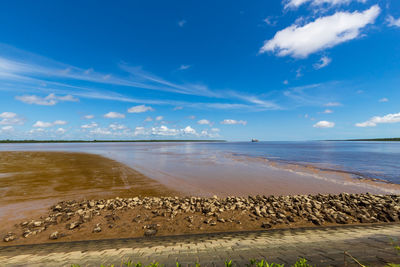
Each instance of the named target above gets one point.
<point>70,221</point>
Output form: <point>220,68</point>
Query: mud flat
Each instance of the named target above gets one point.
<point>32,181</point>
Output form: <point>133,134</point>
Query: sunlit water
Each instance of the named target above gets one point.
<point>238,167</point>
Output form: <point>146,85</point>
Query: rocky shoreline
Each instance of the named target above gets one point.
<point>148,216</point>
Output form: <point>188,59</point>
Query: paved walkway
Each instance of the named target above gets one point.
<point>320,246</point>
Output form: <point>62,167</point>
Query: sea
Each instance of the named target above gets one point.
<point>223,167</point>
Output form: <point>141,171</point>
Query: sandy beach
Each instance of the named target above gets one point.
<point>32,183</point>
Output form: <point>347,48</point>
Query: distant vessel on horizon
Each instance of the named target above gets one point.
<point>254,140</point>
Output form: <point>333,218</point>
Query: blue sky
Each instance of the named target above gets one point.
<point>234,70</point>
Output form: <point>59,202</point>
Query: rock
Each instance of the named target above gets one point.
<point>221,220</point>
<point>73,225</point>
<point>207,221</point>
<point>55,235</point>
<point>9,237</point>
<point>97,229</point>
<point>257,211</point>
<point>27,233</point>
<point>37,223</point>
<point>150,232</point>
<point>266,225</point>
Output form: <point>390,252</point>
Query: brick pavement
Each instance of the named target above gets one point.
<point>322,246</point>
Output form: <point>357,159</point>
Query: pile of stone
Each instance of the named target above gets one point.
<point>317,209</point>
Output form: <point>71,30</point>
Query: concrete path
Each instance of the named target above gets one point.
<point>320,246</point>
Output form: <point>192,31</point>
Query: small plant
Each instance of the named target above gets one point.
<point>178,264</point>
<point>302,263</point>
<point>263,263</point>
<point>228,263</point>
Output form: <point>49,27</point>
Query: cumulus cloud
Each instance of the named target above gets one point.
<point>88,117</point>
<point>328,111</point>
<point>333,104</point>
<point>382,100</point>
<point>189,130</point>
<point>149,119</point>
<point>204,122</point>
<point>393,22</point>
<point>325,32</point>
<point>164,131</point>
<point>114,115</point>
<point>8,115</point>
<point>116,126</point>
<point>324,124</point>
<point>140,109</point>
<point>159,118</point>
<point>100,131</point>
<point>59,122</point>
<point>10,118</point>
<point>49,100</point>
<point>178,108</point>
<point>43,124</point>
<point>89,126</point>
<point>323,62</point>
<point>232,122</point>
<point>61,131</point>
<point>389,118</point>
<point>8,128</point>
<point>297,3</point>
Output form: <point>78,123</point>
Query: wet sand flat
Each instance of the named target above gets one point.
<point>32,181</point>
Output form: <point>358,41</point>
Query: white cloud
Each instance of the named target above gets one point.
<point>10,118</point>
<point>8,115</point>
<point>149,119</point>
<point>184,67</point>
<point>42,124</point>
<point>383,100</point>
<point>159,118</point>
<point>7,128</point>
<point>204,122</point>
<point>89,126</point>
<point>140,109</point>
<point>164,131</point>
<point>393,22</point>
<point>270,21</point>
<point>181,23</point>
<point>178,108</point>
<point>116,126</point>
<point>49,100</point>
<point>114,115</point>
<point>325,32</point>
<point>100,131</point>
<point>323,62</point>
<point>59,122</point>
<point>189,130</point>
<point>140,131</point>
<point>61,131</point>
<point>232,122</point>
<point>215,129</point>
<point>324,124</point>
<point>328,111</point>
<point>297,3</point>
<point>88,117</point>
<point>192,117</point>
<point>333,104</point>
<point>389,118</point>
<point>285,82</point>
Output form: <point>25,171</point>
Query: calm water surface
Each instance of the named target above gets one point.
<point>201,161</point>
